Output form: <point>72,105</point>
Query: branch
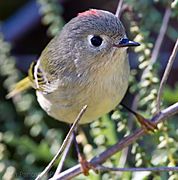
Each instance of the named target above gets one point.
<point>63,158</point>
<point>161,35</point>
<point>159,40</point>
<point>118,11</point>
<point>64,144</point>
<point>156,50</point>
<point>76,170</point>
<point>104,168</point>
<point>166,74</point>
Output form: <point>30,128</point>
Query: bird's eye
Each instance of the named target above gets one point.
<point>96,41</point>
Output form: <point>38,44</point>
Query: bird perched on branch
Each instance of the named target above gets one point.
<point>85,64</point>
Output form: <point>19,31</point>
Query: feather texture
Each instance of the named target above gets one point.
<point>35,79</point>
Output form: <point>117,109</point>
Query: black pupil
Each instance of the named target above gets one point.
<point>96,41</point>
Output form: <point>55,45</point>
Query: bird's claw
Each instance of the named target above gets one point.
<point>86,166</point>
<point>148,126</point>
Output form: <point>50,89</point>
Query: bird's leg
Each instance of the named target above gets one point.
<point>85,165</point>
<point>145,123</point>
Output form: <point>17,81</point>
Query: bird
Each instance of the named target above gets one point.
<point>86,63</point>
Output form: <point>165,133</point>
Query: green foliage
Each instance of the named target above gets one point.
<point>29,138</point>
<point>171,94</point>
<point>174,6</point>
<point>50,11</point>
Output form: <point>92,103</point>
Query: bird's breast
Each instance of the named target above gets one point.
<point>101,91</point>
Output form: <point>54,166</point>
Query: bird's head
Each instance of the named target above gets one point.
<point>93,35</point>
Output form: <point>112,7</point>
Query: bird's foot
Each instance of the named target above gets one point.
<point>85,165</point>
<point>147,125</point>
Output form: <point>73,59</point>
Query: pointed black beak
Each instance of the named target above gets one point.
<point>126,43</point>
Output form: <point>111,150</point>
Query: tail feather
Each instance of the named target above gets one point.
<point>21,86</point>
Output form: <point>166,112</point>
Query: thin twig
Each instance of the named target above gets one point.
<point>166,74</point>
<point>122,160</point>
<point>76,170</point>
<point>64,144</point>
<point>156,50</point>
<point>104,168</point>
<point>118,11</point>
<point>63,158</point>
<point>161,35</point>
<point>159,40</point>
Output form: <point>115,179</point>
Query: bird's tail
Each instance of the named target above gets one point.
<point>21,86</point>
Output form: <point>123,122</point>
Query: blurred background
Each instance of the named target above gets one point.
<point>29,138</point>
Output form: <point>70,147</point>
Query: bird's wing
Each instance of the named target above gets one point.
<point>41,79</point>
<point>36,79</point>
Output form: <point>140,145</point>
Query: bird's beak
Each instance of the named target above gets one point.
<point>126,43</point>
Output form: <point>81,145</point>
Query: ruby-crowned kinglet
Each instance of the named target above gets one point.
<point>85,64</point>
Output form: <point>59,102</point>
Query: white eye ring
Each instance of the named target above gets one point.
<point>95,40</point>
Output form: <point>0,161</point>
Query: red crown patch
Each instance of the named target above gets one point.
<point>88,13</point>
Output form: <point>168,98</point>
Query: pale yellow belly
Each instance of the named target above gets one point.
<point>101,96</point>
<point>97,105</point>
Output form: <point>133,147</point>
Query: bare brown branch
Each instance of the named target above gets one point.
<point>159,40</point>
<point>119,7</point>
<point>76,170</point>
<point>64,144</point>
<point>166,74</point>
<point>104,168</point>
<point>156,50</point>
<point>161,35</point>
<point>63,158</point>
